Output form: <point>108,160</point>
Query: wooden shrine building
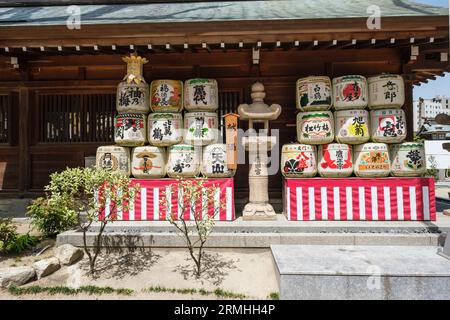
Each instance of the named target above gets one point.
<point>58,81</point>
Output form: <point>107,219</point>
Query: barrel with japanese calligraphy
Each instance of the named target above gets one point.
<point>407,159</point>
<point>298,160</point>
<point>335,160</point>
<point>148,162</point>
<point>350,92</point>
<point>201,95</point>
<point>200,128</point>
<point>166,96</point>
<point>214,164</point>
<point>313,93</point>
<point>372,160</point>
<point>132,97</point>
<point>130,129</point>
<point>114,158</point>
<point>388,125</point>
<point>165,129</point>
<point>386,91</point>
<point>316,127</point>
<point>352,126</point>
<point>184,160</point>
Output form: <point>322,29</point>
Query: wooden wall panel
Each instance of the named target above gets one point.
<point>9,168</point>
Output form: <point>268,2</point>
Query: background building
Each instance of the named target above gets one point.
<point>428,109</point>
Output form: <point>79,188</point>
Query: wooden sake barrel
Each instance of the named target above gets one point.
<point>132,97</point>
<point>130,129</point>
<point>316,127</point>
<point>201,128</point>
<point>350,92</point>
<point>352,126</point>
<point>183,161</point>
<point>166,96</point>
<point>388,125</point>
<point>214,164</point>
<point>115,158</point>
<point>386,91</point>
<point>407,159</point>
<point>298,160</point>
<point>313,93</point>
<point>148,162</point>
<point>372,160</point>
<point>201,95</point>
<point>335,160</point>
<point>165,129</point>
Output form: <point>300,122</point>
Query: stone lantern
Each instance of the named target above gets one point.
<point>258,145</point>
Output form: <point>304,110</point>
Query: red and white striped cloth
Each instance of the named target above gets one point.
<point>360,199</point>
<point>147,206</point>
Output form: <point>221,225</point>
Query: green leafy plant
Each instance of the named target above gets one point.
<point>7,232</point>
<point>94,195</point>
<point>52,215</point>
<point>11,241</point>
<point>17,291</point>
<point>197,231</point>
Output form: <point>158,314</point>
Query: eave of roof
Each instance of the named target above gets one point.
<point>214,11</point>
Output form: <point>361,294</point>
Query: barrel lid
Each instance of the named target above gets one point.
<point>164,116</point>
<point>181,147</point>
<point>152,149</point>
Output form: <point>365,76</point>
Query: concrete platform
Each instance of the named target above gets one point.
<point>361,272</point>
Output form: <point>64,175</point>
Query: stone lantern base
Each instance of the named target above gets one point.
<point>258,211</point>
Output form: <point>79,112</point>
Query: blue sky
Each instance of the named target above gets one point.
<point>441,86</point>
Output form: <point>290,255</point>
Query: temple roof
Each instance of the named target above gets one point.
<point>26,13</point>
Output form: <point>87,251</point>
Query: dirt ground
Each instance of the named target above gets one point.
<point>242,271</point>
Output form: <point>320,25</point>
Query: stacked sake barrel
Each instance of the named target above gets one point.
<point>335,144</point>
<point>201,134</point>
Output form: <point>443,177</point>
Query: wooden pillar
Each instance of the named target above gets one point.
<point>24,127</point>
<point>409,110</point>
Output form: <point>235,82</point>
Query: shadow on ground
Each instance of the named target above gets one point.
<point>215,268</point>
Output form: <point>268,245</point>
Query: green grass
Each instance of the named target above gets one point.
<point>220,293</point>
<point>274,296</point>
<point>69,291</point>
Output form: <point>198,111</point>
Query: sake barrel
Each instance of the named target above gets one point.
<point>166,96</point>
<point>165,129</point>
<point>183,161</point>
<point>130,129</point>
<point>372,160</point>
<point>352,126</point>
<point>386,91</point>
<point>407,159</point>
<point>148,162</point>
<point>201,128</point>
<point>335,160</point>
<point>201,95</point>
<point>316,127</point>
<point>350,92</point>
<point>214,164</point>
<point>388,125</point>
<point>313,93</point>
<point>298,160</point>
<point>115,158</point>
<point>132,97</point>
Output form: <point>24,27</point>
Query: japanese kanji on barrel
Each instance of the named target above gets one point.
<point>214,164</point>
<point>335,160</point>
<point>201,128</point>
<point>114,158</point>
<point>388,125</point>
<point>166,96</point>
<point>313,93</point>
<point>298,160</point>
<point>148,162</point>
<point>316,127</point>
<point>386,91</point>
<point>372,160</point>
<point>201,95</point>
<point>407,159</point>
<point>352,126</point>
<point>165,129</point>
<point>184,160</point>
<point>130,129</point>
<point>350,92</point>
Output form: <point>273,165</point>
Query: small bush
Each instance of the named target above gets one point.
<point>7,232</point>
<point>11,241</point>
<point>52,215</point>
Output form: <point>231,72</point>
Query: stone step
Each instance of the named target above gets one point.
<point>133,238</point>
<point>361,272</point>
